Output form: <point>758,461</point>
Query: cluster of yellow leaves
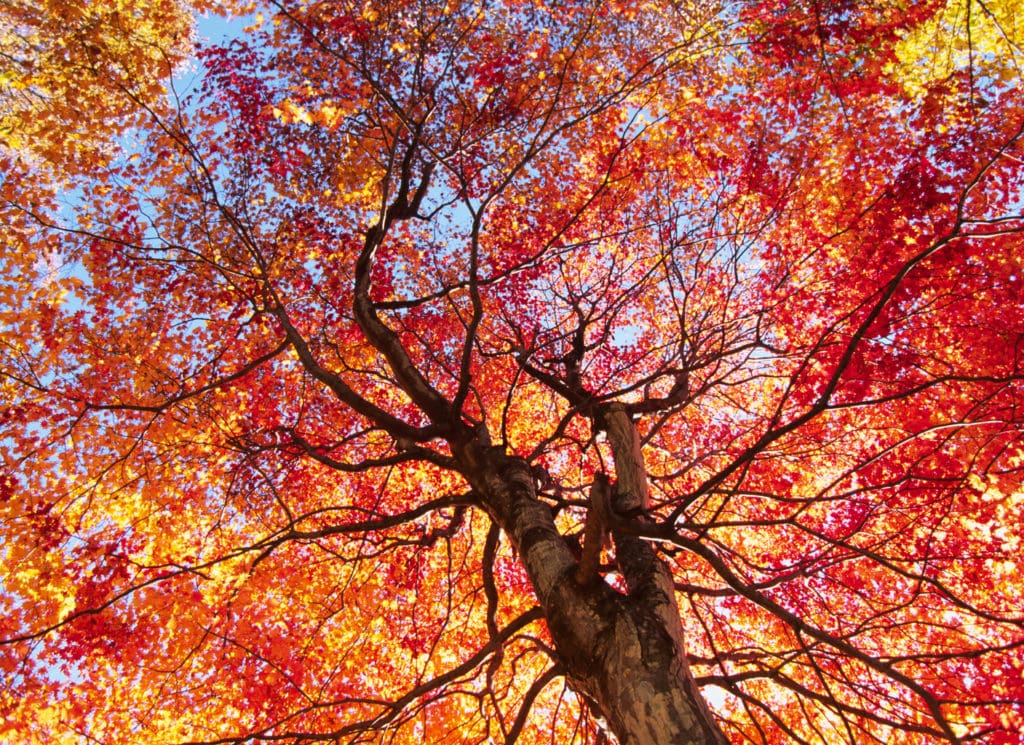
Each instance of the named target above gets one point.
<point>75,73</point>
<point>982,38</point>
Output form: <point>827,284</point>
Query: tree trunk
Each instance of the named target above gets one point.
<point>625,652</point>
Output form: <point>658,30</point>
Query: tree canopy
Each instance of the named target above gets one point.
<point>512,371</point>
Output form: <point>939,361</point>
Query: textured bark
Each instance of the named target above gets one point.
<point>672,709</point>
<point>624,652</point>
<point>630,473</point>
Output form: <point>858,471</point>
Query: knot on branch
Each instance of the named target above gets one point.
<point>626,507</point>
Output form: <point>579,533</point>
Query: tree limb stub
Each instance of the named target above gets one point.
<point>596,532</point>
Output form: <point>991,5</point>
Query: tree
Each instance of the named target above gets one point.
<point>513,371</point>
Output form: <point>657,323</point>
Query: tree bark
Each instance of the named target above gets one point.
<point>624,652</point>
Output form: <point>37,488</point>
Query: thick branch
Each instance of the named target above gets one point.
<point>633,493</point>
<point>345,393</point>
<point>384,339</point>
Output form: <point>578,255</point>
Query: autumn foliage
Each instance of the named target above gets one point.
<point>368,375</point>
